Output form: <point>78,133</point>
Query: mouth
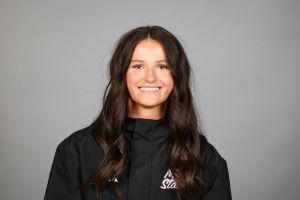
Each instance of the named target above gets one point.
<point>149,89</point>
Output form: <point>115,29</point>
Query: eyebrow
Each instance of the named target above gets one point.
<point>158,61</point>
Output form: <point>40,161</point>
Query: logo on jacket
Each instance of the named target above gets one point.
<point>168,181</point>
<point>113,180</point>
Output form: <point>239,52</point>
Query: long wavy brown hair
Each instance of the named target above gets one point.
<point>186,138</point>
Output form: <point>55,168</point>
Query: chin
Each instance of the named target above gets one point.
<point>150,105</point>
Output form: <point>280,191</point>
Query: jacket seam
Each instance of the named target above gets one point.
<point>150,166</point>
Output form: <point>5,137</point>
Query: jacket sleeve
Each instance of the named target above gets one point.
<point>219,189</point>
<point>64,178</point>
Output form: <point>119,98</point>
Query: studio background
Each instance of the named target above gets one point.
<point>245,57</point>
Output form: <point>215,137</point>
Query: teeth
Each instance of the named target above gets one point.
<point>149,89</point>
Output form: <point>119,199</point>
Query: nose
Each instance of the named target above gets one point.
<point>150,75</point>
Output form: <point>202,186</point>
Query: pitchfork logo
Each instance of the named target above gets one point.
<point>168,181</point>
<point>113,180</point>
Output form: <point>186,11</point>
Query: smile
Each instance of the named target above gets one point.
<point>149,89</point>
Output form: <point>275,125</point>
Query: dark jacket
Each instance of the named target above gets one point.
<point>146,175</point>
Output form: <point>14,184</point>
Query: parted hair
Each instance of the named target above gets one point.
<point>186,138</point>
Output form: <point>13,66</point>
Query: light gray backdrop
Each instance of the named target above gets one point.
<point>245,56</point>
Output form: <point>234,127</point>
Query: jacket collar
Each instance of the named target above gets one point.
<point>148,129</point>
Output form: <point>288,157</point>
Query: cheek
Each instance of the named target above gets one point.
<point>168,81</point>
<point>131,77</point>
<point>131,81</point>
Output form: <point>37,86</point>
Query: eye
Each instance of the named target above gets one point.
<point>162,66</point>
<point>137,66</point>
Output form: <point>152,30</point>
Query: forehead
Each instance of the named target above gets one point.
<point>149,49</point>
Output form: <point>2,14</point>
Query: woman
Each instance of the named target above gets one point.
<point>146,142</point>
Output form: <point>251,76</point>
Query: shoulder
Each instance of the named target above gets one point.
<point>215,174</point>
<point>212,157</point>
<point>79,152</point>
<point>77,137</point>
<point>215,164</point>
<point>78,140</point>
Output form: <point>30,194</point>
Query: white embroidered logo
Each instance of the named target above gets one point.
<point>113,180</point>
<point>168,181</point>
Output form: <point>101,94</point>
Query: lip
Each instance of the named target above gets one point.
<point>149,89</point>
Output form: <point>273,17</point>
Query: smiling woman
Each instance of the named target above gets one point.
<point>149,81</point>
<point>147,142</point>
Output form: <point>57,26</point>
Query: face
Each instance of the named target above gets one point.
<point>148,77</point>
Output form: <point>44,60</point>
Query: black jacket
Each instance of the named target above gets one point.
<point>145,177</point>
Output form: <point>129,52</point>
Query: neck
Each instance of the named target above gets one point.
<point>135,111</point>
